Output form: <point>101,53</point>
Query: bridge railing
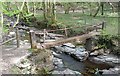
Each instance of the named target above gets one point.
<point>87,28</point>
<point>16,37</point>
<point>32,34</point>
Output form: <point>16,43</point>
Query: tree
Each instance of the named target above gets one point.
<point>53,13</point>
<point>67,8</point>
<point>99,5</point>
<point>90,9</point>
<point>102,5</point>
<point>44,10</point>
<point>49,11</point>
<point>20,13</point>
<point>1,19</point>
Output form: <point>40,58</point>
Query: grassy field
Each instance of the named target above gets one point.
<point>80,19</point>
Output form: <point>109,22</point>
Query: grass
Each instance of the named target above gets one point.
<point>80,19</point>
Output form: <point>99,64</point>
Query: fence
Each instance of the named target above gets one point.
<point>16,37</point>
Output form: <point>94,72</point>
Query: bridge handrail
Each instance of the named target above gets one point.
<point>73,27</point>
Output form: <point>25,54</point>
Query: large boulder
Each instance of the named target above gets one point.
<point>67,72</point>
<point>77,52</point>
<point>115,71</point>
<point>80,54</point>
<point>69,45</point>
<point>58,62</point>
<point>110,59</point>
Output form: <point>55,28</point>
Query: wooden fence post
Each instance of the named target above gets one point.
<point>44,35</point>
<point>66,32</point>
<point>17,37</point>
<point>32,39</point>
<point>96,28</point>
<point>103,25</point>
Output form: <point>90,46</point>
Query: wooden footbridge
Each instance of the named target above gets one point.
<point>90,31</point>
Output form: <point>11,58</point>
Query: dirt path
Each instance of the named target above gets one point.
<point>11,55</point>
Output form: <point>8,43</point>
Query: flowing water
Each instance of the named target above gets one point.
<point>83,67</point>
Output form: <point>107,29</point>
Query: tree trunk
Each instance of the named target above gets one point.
<point>53,13</point>
<point>102,11</point>
<point>34,9</point>
<point>1,21</point>
<point>18,16</point>
<point>67,8</point>
<point>26,8</point>
<point>113,8</point>
<point>90,9</point>
<point>44,10</point>
<point>97,10</point>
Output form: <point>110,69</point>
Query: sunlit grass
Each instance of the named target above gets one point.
<point>80,19</point>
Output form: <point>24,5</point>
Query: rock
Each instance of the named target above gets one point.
<point>95,53</point>
<point>55,54</point>
<point>115,70</point>
<point>110,59</point>
<point>24,63</point>
<point>26,41</point>
<point>69,45</point>
<point>80,53</point>
<point>59,49</point>
<point>58,62</point>
<point>67,72</point>
<point>68,50</point>
<point>11,34</point>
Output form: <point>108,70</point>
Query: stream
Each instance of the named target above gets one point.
<point>80,66</point>
<point>84,67</point>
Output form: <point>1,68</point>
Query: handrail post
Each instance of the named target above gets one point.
<point>17,38</point>
<point>32,39</point>
<point>44,35</point>
<point>66,34</point>
<point>103,25</point>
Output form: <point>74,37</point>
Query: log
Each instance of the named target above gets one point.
<point>71,39</point>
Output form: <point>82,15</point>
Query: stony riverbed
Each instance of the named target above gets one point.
<point>63,62</point>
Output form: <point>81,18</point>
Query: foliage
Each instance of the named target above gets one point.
<point>109,42</point>
<point>105,41</point>
<point>5,29</point>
